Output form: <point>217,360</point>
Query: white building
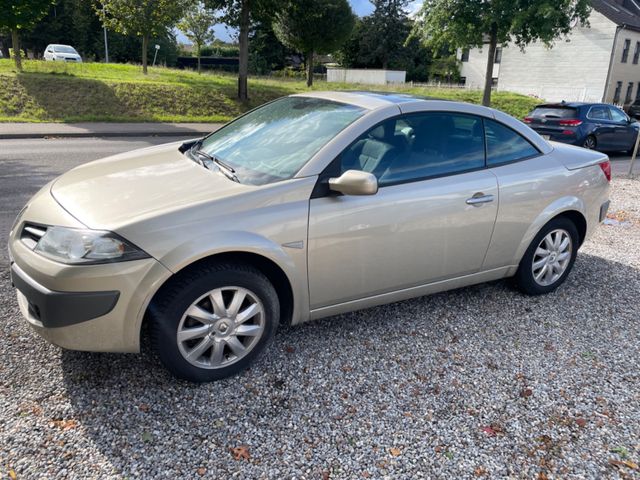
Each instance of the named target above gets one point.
<point>598,63</point>
<point>365,76</point>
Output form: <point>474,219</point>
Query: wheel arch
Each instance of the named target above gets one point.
<point>572,208</point>
<point>270,269</point>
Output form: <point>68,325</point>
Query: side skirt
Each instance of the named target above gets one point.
<point>413,292</point>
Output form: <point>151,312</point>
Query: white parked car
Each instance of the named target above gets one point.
<point>61,53</point>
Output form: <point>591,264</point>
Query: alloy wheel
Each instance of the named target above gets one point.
<point>552,257</point>
<point>221,327</point>
<point>590,143</point>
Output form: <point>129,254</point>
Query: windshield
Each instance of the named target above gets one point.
<point>554,112</point>
<point>64,49</point>
<point>273,142</point>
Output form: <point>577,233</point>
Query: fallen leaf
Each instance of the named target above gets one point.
<point>631,465</point>
<point>480,471</point>
<point>143,407</point>
<point>289,349</point>
<point>581,422</point>
<point>12,474</point>
<point>201,471</point>
<point>542,476</point>
<point>346,368</point>
<point>489,431</point>
<point>241,453</point>
<point>395,452</point>
<point>325,475</point>
<point>526,392</point>
<point>65,424</point>
<point>147,437</point>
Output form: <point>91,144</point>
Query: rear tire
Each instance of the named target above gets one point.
<point>590,143</point>
<point>213,322</point>
<point>549,258</point>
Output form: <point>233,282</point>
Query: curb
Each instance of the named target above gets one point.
<point>18,136</point>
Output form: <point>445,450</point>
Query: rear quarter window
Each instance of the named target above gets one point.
<point>555,112</point>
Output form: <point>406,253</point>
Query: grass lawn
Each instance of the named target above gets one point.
<point>60,92</point>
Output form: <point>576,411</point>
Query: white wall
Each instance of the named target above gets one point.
<point>365,76</point>
<point>574,69</point>
<point>624,72</point>
<point>474,70</point>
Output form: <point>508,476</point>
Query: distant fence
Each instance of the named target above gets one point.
<point>227,64</point>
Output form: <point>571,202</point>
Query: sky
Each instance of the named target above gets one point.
<point>360,7</point>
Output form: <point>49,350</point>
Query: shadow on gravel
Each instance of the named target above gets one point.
<point>429,357</point>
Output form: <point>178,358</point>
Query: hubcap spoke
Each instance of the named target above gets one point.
<point>191,333</point>
<point>200,314</point>
<point>216,353</point>
<point>236,345</point>
<point>218,303</point>
<point>249,330</point>
<point>199,349</point>
<point>236,303</point>
<point>249,312</point>
<point>539,263</point>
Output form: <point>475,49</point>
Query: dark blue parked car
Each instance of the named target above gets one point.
<point>596,126</point>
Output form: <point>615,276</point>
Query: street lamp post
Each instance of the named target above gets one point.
<point>106,46</point>
<point>155,55</point>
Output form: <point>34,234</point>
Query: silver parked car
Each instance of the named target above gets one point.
<point>309,206</point>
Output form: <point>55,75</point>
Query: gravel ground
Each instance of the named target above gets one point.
<point>481,382</point>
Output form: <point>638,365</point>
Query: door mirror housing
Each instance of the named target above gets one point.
<point>355,182</point>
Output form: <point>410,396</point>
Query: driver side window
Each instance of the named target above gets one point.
<point>418,146</point>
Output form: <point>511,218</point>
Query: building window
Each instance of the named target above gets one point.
<point>616,95</point>
<point>636,54</point>
<point>498,58</point>
<point>625,50</point>
<point>463,80</point>
<point>629,95</point>
<point>465,55</point>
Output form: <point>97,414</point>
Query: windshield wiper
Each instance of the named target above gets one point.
<point>226,169</point>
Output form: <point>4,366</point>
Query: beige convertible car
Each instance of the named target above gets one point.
<point>309,206</point>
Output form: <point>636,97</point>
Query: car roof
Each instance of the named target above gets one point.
<point>368,100</point>
<point>570,105</point>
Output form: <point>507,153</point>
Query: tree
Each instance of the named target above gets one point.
<point>20,15</point>
<point>241,14</point>
<point>196,25</point>
<point>470,23</point>
<point>385,31</point>
<point>314,26</point>
<point>142,18</point>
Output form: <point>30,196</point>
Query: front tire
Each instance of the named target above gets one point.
<point>549,258</point>
<point>213,322</point>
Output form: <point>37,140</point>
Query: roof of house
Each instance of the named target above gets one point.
<point>621,12</point>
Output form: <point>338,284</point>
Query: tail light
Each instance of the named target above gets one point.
<point>528,119</point>
<point>606,169</point>
<point>571,122</point>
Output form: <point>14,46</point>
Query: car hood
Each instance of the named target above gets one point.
<point>126,188</point>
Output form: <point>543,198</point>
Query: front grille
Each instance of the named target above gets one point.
<point>32,233</point>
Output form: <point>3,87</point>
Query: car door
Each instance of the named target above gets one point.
<point>623,132</point>
<point>431,219</point>
<point>601,126</point>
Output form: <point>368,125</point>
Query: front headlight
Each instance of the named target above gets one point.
<point>75,246</point>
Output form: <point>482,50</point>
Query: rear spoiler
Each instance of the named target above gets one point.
<point>574,158</point>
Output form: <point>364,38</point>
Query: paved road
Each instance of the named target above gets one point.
<point>26,165</point>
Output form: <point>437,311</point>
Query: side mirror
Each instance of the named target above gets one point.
<point>355,182</point>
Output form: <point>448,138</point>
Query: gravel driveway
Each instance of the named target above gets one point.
<point>481,382</point>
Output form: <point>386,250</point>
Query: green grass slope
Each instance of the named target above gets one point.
<point>58,92</point>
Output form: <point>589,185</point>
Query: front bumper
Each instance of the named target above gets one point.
<point>96,308</point>
<point>52,309</point>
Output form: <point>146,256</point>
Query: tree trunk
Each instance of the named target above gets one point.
<point>15,44</point>
<point>145,46</point>
<point>309,69</point>
<point>198,54</point>
<point>243,67</point>
<point>488,80</point>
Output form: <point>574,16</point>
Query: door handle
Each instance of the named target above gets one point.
<point>479,198</point>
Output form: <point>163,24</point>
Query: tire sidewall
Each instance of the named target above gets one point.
<point>183,294</point>
<point>524,276</point>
